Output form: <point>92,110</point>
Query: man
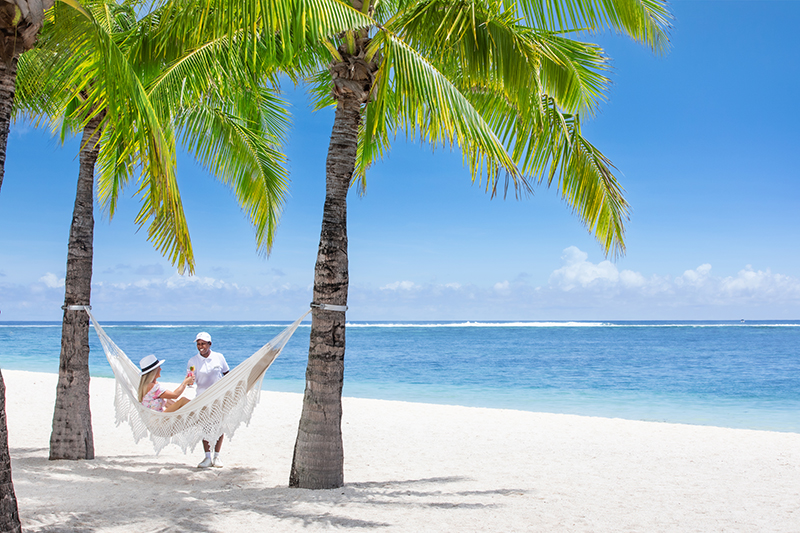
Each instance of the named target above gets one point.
<point>208,368</point>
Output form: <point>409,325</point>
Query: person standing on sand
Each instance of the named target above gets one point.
<point>208,367</point>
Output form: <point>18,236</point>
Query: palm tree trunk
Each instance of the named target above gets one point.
<point>8,79</point>
<point>9,513</point>
<point>72,436</point>
<point>318,461</point>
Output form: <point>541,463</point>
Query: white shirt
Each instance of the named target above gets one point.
<point>207,370</point>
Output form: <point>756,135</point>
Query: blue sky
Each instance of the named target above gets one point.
<point>704,138</point>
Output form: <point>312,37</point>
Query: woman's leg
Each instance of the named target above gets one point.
<point>180,402</point>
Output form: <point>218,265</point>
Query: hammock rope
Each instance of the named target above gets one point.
<point>221,409</point>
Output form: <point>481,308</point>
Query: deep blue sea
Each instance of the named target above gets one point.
<point>732,374</point>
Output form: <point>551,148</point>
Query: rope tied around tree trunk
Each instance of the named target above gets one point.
<point>329,307</point>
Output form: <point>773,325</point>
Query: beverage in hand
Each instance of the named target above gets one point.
<point>191,373</point>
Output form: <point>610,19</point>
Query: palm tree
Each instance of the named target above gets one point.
<point>96,71</point>
<point>9,513</point>
<point>207,85</point>
<point>20,22</point>
<point>505,83</point>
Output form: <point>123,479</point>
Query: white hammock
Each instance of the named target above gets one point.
<point>219,410</point>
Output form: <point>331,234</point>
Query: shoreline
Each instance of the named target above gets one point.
<point>452,468</point>
<point>728,376</point>
<point>626,405</point>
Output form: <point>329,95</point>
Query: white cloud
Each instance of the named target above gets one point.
<point>578,290</point>
<point>400,286</point>
<point>52,281</point>
<point>602,285</point>
<point>695,277</point>
<point>578,273</point>
<point>175,298</point>
<point>632,279</point>
<point>749,283</point>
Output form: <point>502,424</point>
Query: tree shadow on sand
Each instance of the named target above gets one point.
<point>136,493</point>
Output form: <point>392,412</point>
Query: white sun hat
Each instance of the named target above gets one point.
<point>148,363</point>
<point>203,336</point>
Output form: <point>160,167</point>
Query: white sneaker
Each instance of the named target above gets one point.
<point>207,463</point>
<point>217,463</point>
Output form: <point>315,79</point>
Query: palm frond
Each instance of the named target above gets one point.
<point>374,140</point>
<point>244,154</point>
<point>475,41</point>
<point>646,21</point>
<point>548,146</point>
<point>100,79</point>
<point>430,107</point>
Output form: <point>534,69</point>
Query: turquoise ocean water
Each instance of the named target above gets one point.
<point>732,374</point>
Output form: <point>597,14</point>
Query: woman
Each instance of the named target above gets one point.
<point>152,394</point>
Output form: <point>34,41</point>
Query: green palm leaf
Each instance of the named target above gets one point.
<point>154,87</point>
<point>243,153</point>
<point>646,21</point>
<point>427,105</point>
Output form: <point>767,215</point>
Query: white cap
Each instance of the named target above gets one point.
<point>203,336</point>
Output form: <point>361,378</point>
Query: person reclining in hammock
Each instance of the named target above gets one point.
<point>152,394</point>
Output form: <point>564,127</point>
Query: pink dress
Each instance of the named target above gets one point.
<point>152,400</point>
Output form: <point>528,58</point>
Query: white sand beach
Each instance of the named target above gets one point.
<point>409,467</point>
